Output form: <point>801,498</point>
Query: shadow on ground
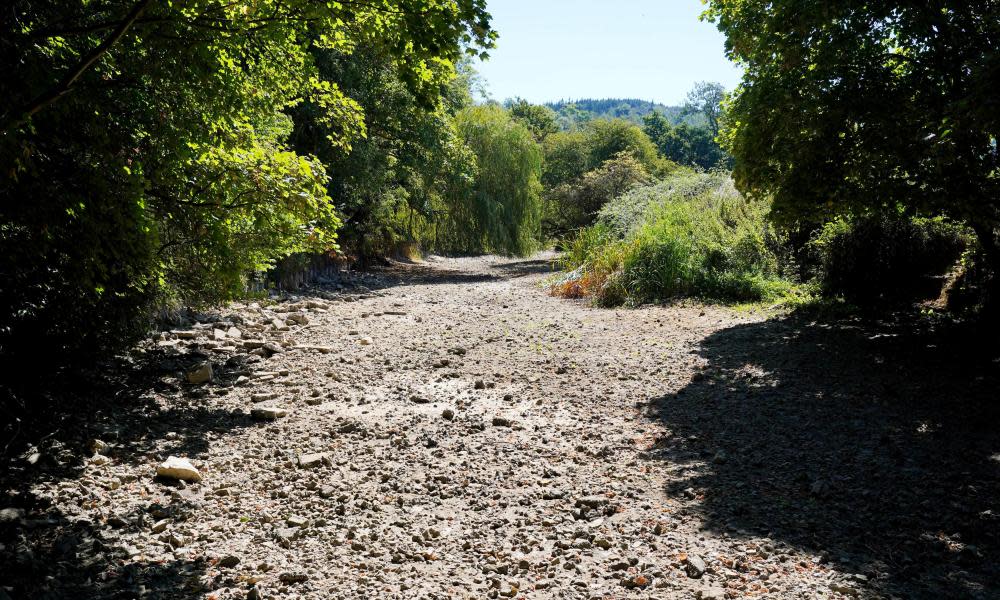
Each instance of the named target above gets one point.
<point>49,551</point>
<point>876,445</point>
<point>398,273</point>
<point>524,268</point>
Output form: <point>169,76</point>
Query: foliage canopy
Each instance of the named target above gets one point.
<point>144,145</point>
<point>850,108</point>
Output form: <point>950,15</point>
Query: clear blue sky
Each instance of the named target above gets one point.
<point>647,49</point>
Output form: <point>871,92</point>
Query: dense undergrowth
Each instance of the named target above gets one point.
<point>692,234</point>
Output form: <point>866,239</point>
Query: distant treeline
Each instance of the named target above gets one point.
<point>573,112</point>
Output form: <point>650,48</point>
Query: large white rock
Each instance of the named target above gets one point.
<point>178,468</point>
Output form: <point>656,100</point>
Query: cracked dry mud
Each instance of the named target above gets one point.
<point>452,431</point>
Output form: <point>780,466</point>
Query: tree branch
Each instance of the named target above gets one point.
<point>66,84</point>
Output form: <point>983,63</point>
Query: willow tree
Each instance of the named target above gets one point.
<point>502,212</point>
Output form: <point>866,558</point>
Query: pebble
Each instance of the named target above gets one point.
<point>229,561</point>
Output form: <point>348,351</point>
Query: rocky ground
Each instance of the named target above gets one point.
<point>449,430</point>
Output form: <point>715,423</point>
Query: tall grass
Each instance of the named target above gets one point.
<point>690,235</point>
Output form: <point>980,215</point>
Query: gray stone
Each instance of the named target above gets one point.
<point>297,319</point>
<point>200,374</point>
<point>308,461</point>
<point>228,562</point>
<point>268,413</point>
<point>695,566</point>
<point>11,515</point>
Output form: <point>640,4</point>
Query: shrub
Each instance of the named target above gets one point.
<point>573,205</point>
<point>886,258</point>
<point>691,235</point>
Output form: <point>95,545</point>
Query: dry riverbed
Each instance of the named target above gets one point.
<point>449,430</point>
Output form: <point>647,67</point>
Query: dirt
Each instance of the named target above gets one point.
<point>453,431</point>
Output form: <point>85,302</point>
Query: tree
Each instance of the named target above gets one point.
<point>850,108</point>
<point>706,99</point>
<point>684,144</point>
<point>608,137</point>
<point>503,214</point>
<point>655,125</point>
<point>389,184</point>
<point>567,156</point>
<point>540,120</point>
<point>144,152</point>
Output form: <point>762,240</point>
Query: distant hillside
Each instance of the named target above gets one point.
<point>573,112</point>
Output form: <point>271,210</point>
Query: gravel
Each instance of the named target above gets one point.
<point>559,451</point>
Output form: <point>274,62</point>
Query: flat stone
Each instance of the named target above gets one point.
<point>297,521</point>
<point>178,468</point>
<point>308,461</point>
<point>160,526</point>
<point>200,374</point>
<point>591,502</point>
<point>263,397</point>
<point>268,413</point>
<point>286,535</point>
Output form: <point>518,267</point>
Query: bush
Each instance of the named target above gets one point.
<point>886,258</point>
<point>573,205</point>
<point>691,235</point>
